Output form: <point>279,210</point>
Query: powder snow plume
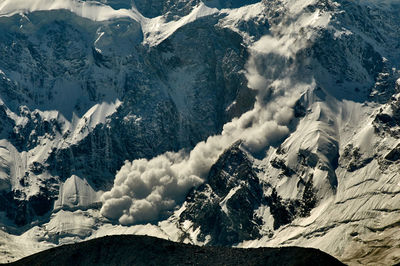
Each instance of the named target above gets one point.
<point>146,190</point>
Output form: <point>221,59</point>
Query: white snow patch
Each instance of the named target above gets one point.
<point>76,193</point>
<point>145,229</point>
<point>157,29</point>
<point>66,223</point>
<point>94,116</point>
<point>5,169</point>
<point>224,201</point>
<point>235,16</point>
<point>294,37</point>
<point>91,9</point>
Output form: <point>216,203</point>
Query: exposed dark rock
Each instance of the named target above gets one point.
<point>22,209</point>
<point>224,207</point>
<point>385,119</point>
<point>394,154</point>
<point>41,203</point>
<point>309,200</point>
<point>27,136</point>
<point>307,158</point>
<point>299,110</point>
<point>232,167</point>
<point>354,159</point>
<point>283,211</point>
<point>280,164</point>
<point>358,164</point>
<point>389,123</point>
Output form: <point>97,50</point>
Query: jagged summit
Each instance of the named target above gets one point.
<point>223,208</point>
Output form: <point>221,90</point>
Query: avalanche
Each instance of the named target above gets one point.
<point>313,159</point>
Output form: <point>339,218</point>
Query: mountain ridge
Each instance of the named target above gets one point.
<point>310,89</point>
<point>142,250</point>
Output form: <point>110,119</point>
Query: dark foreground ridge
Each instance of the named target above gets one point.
<point>145,250</point>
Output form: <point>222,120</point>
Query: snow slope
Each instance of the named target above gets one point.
<point>155,30</point>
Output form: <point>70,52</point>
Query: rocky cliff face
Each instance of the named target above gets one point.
<point>285,112</point>
<point>160,98</point>
<point>227,208</point>
<point>224,208</point>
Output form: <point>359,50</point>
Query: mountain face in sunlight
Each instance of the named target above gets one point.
<point>77,103</point>
<point>214,122</point>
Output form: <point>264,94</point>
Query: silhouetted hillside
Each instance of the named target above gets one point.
<point>144,250</point>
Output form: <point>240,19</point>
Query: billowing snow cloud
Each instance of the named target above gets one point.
<point>145,190</point>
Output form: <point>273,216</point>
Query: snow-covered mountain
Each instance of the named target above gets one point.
<point>216,122</point>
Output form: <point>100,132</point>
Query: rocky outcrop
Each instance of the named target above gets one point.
<point>224,208</point>
<point>160,110</point>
